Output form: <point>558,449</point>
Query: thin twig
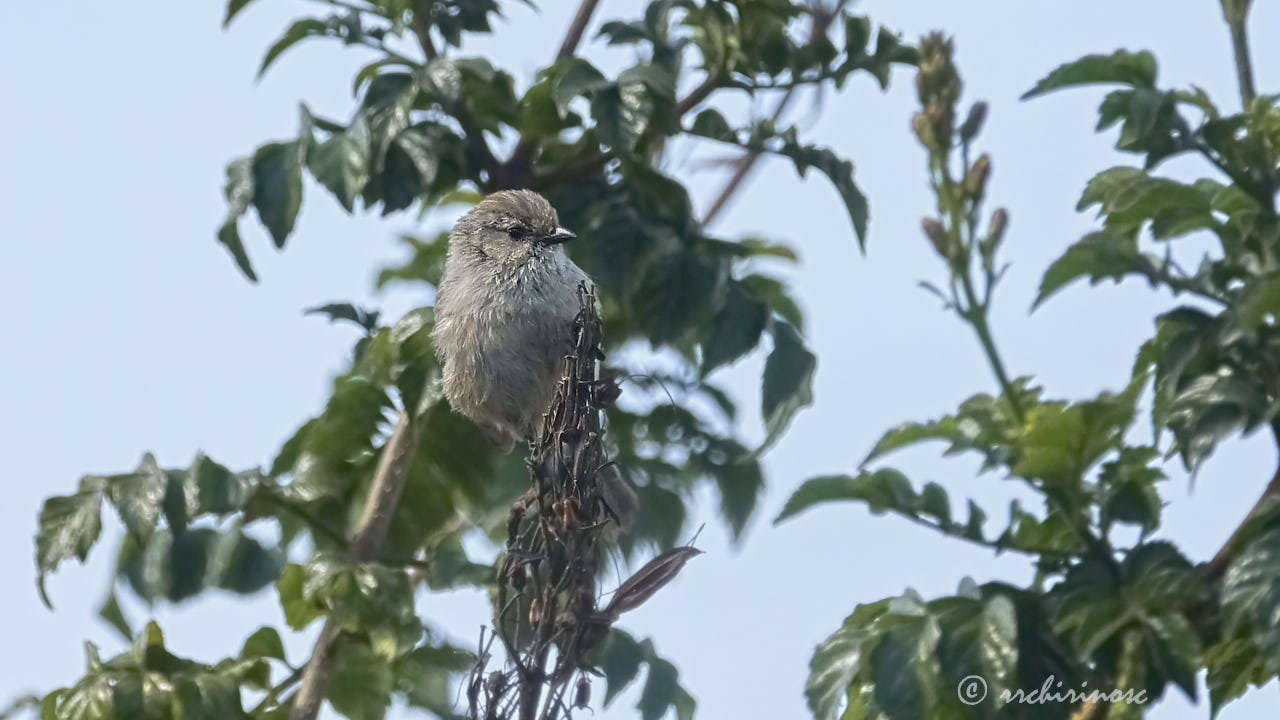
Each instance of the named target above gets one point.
<point>576,28</point>
<point>365,546</point>
<point>1240,45</point>
<point>423,32</point>
<point>822,20</point>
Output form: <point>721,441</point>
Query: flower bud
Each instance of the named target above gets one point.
<point>923,130</point>
<point>937,235</point>
<point>995,233</point>
<point>975,181</point>
<point>973,123</point>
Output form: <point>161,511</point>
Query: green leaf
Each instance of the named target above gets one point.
<point>1136,69</point>
<point>263,643</point>
<point>907,434</point>
<point>881,490</point>
<point>774,294</point>
<point>362,683</point>
<point>619,658</point>
<point>298,611</point>
<point>740,483</point>
<point>578,78</point>
<point>111,613</point>
<point>1251,591</point>
<point>1097,256</point>
<point>69,526</point>
<point>660,689</point>
<point>711,124</point>
<point>1232,667</point>
<point>735,329</point>
<point>217,490</point>
<point>788,381</point>
<point>233,8</point>
<point>679,292</point>
<point>1260,300</point>
<point>239,194</point>
<point>298,31</point>
<point>342,162</point>
<point>840,172</point>
<point>900,689</point>
<point>837,660</point>
<point>138,497</point>
<point>277,187</point>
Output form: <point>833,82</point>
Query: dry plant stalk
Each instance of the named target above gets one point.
<point>547,598</point>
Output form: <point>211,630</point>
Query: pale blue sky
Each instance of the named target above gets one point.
<point>128,329</point>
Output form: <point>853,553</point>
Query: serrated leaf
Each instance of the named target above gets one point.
<point>735,329</point>
<point>836,661</point>
<point>69,526</point>
<point>1251,591</point>
<point>277,187</point>
<point>362,683</point>
<point>238,191</point>
<point>619,658</point>
<point>263,643</point>
<point>342,162</point>
<point>1136,69</point>
<point>297,32</point>
<point>788,381</point>
<point>1097,256</point>
<point>578,78</point>
<point>881,490</point>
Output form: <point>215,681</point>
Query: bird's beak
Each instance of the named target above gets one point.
<point>558,236</point>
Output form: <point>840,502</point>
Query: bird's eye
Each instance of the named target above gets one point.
<point>517,233</point>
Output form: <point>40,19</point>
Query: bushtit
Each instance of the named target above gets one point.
<point>504,320</point>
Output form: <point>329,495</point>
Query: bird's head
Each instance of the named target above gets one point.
<point>510,228</point>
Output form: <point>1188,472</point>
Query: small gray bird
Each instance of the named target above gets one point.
<point>504,321</point>
<point>504,313</point>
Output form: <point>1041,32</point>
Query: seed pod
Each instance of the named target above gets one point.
<point>582,693</point>
<point>937,236</point>
<point>535,612</point>
<point>973,123</point>
<point>975,181</point>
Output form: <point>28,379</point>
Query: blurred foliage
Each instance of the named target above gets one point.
<point>433,127</point>
<point>1114,604</point>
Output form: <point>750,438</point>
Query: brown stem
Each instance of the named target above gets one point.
<point>1222,560</point>
<point>742,168</point>
<point>423,33</point>
<point>517,170</point>
<point>365,546</point>
<point>579,25</point>
<point>594,163</point>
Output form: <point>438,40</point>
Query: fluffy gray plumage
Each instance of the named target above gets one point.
<point>504,322</point>
<point>504,313</point>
